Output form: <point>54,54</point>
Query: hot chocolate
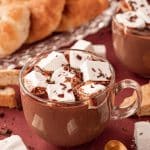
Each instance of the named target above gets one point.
<point>131,35</point>
<point>67,96</point>
<point>61,78</point>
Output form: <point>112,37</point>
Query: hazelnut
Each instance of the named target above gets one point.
<point>114,145</point>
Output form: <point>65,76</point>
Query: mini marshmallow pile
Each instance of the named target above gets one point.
<point>138,17</point>
<point>65,73</point>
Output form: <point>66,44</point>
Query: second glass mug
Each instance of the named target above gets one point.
<point>71,124</point>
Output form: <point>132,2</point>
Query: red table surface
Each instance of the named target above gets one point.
<point>120,129</point>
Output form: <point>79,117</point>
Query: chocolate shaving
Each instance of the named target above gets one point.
<point>92,86</point>
<point>100,74</point>
<point>142,5</point>
<point>93,70</point>
<point>64,86</point>
<point>43,72</point>
<point>141,133</point>
<point>132,4</point>
<point>5,131</point>
<point>2,114</point>
<point>67,79</point>
<point>133,18</point>
<point>61,95</point>
<point>78,57</point>
<point>66,67</point>
<point>69,90</point>
<point>40,91</point>
<point>49,81</point>
<point>59,75</point>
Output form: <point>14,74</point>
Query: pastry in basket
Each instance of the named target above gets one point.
<point>28,21</point>
<point>79,12</point>
<point>45,17</point>
<point>14,27</point>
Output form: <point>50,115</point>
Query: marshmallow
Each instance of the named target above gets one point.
<point>131,19</point>
<point>99,50</point>
<point>77,58</point>
<point>144,13</point>
<point>142,135</point>
<point>60,75</point>
<point>92,88</point>
<point>83,45</point>
<point>95,71</point>
<point>35,79</point>
<point>13,142</point>
<point>61,92</point>
<point>53,61</point>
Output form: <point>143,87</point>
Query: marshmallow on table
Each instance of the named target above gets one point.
<point>35,79</point>
<point>61,92</point>
<point>52,62</point>
<point>60,75</point>
<point>13,142</point>
<point>83,45</point>
<point>91,88</point>
<point>99,50</point>
<point>95,70</point>
<point>142,135</point>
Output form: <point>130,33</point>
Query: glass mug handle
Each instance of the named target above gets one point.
<point>124,112</point>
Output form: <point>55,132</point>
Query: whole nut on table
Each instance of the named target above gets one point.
<point>114,145</point>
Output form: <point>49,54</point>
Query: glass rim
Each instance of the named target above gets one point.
<point>131,31</point>
<point>47,101</point>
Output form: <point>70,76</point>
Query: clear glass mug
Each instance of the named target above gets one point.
<point>132,49</point>
<point>71,124</point>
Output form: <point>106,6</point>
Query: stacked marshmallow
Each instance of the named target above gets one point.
<point>138,16</point>
<point>60,87</point>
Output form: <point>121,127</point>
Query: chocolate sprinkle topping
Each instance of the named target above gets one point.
<point>79,57</point>
<point>92,86</point>
<point>64,86</point>
<point>100,74</point>
<point>93,70</point>
<point>133,18</point>
<point>141,133</point>
<point>61,95</point>
<point>69,90</point>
